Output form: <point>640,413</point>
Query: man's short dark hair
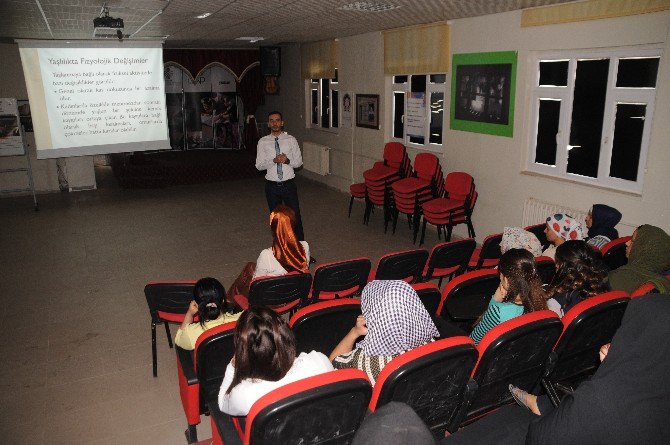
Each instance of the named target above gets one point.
<point>275,112</point>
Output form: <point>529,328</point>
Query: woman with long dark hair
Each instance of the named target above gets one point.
<point>264,359</point>
<point>210,305</point>
<point>520,291</point>
<point>580,274</point>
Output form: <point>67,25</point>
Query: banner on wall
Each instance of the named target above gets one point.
<point>415,118</point>
<point>203,112</point>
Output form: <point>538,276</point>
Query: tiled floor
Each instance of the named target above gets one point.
<point>75,350</point>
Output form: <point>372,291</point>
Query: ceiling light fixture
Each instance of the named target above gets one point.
<point>251,39</point>
<point>203,15</point>
<point>368,7</point>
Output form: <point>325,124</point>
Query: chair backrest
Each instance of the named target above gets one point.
<point>432,379</point>
<point>491,247</point>
<point>282,290</point>
<point>459,185</point>
<point>395,156</point>
<point>586,327</point>
<point>513,352</point>
<point>467,296</point>
<point>646,288</point>
<point>430,296</point>
<point>614,253</point>
<point>538,231</point>
<point>321,326</point>
<point>407,265</point>
<point>546,268</point>
<point>327,408</point>
<point>427,167</point>
<point>213,351</point>
<point>446,256</point>
<point>168,300</point>
<point>343,277</point>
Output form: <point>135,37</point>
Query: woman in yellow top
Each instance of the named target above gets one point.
<point>210,305</point>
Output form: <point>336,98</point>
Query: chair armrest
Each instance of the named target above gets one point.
<point>185,361</point>
<point>224,425</point>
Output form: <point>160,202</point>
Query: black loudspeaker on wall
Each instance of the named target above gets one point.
<point>270,61</point>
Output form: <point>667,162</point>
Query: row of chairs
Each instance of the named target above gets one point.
<point>417,191</point>
<point>449,382</point>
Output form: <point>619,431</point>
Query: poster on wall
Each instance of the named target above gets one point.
<point>482,91</point>
<point>11,142</point>
<point>415,117</point>
<point>367,111</point>
<point>347,110</point>
<point>25,116</point>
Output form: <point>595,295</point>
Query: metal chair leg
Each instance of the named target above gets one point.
<point>169,335</point>
<point>423,232</point>
<point>351,204</point>
<point>153,349</point>
<point>191,434</point>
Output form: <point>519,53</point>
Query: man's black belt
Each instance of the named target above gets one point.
<point>280,183</point>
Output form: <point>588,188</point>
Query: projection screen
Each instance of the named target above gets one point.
<point>94,97</point>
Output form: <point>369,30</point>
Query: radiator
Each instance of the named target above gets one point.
<point>316,158</point>
<point>536,212</point>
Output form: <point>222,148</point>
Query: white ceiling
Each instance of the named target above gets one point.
<point>278,21</point>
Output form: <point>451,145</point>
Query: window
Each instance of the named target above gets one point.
<point>323,103</point>
<point>592,115</point>
<point>418,109</point>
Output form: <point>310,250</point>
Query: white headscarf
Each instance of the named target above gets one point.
<point>395,317</point>
<point>518,238</point>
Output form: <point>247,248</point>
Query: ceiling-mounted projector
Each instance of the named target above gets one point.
<point>105,26</point>
<point>107,22</point>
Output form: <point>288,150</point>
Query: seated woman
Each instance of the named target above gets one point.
<point>518,238</point>
<point>264,360</point>
<point>601,221</point>
<point>520,291</point>
<point>210,305</point>
<point>648,254</point>
<point>580,274</point>
<point>286,255</point>
<point>394,321</point>
<point>561,228</point>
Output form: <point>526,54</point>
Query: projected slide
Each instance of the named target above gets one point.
<point>95,97</point>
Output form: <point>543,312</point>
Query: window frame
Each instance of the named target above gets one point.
<point>614,96</point>
<point>312,85</point>
<point>405,88</point>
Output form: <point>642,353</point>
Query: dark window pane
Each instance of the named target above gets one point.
<point>398,115</point>
<point>554,73</point>
<point>547,128</point>
<point>628,128</point>
<point>336,109</point>
<point>587,116</point>
<point>637,73</point>
<point>315,106</point>
<point>436,117</point>
<point>399,79</point>
<point>417,140</point>
<point>418,84</point>
<point>334,79</point>
<point>438,78</point>
<point>325,103</point>
<point>315,80</point>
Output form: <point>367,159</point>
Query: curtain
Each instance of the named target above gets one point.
<point>318,60</point>
<point>589,10</point>
<point>195,60</point>
<point>417,50</point>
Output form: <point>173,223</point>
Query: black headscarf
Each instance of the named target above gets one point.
<point>628,399</point>
<point>604,218</point>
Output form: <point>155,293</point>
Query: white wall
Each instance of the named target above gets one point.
<point>496,162</point>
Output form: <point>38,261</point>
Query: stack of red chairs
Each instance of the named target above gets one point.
<point>378,180</point>
<point>410,193</point>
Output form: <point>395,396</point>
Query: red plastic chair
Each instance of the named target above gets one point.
<point>433,380</point>
<point>326,408</point>
<point>430,296</point>
<point>546,268</point>
<point>357,191</point>
<point>407,266</point>
<point>487,256</point>
<point>449,259</point>
<point>340,279</point>
<point>168,302</point>
<point>513,352</point>
<point>467,296</point>
<point>455,207</point>
<point>614,253</point>
<point>646,288</point>
<point>410,193</point>
<point>200,373</point>
<point>283,293</point>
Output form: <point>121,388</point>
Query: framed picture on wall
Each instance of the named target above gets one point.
<point>367,111</point>
<point>25,116</point>
<point>482,92</point>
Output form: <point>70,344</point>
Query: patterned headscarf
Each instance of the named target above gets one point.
<point>518,238</point>
<point>285,246</point>
<point>396,319</point>
<point>565,226</point>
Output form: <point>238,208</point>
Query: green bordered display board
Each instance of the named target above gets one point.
<point>482,92</point>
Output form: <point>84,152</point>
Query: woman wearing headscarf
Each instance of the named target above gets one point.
<point>286,255</point>
<point>601,221</point>
<point>561,227</point>
<point>648,253</point>
<point>518,238</point>
<point>394,321</point>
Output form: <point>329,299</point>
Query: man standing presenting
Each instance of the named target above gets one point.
<point>279,154</point>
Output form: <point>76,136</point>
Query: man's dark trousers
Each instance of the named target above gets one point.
<point>285,192</point>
